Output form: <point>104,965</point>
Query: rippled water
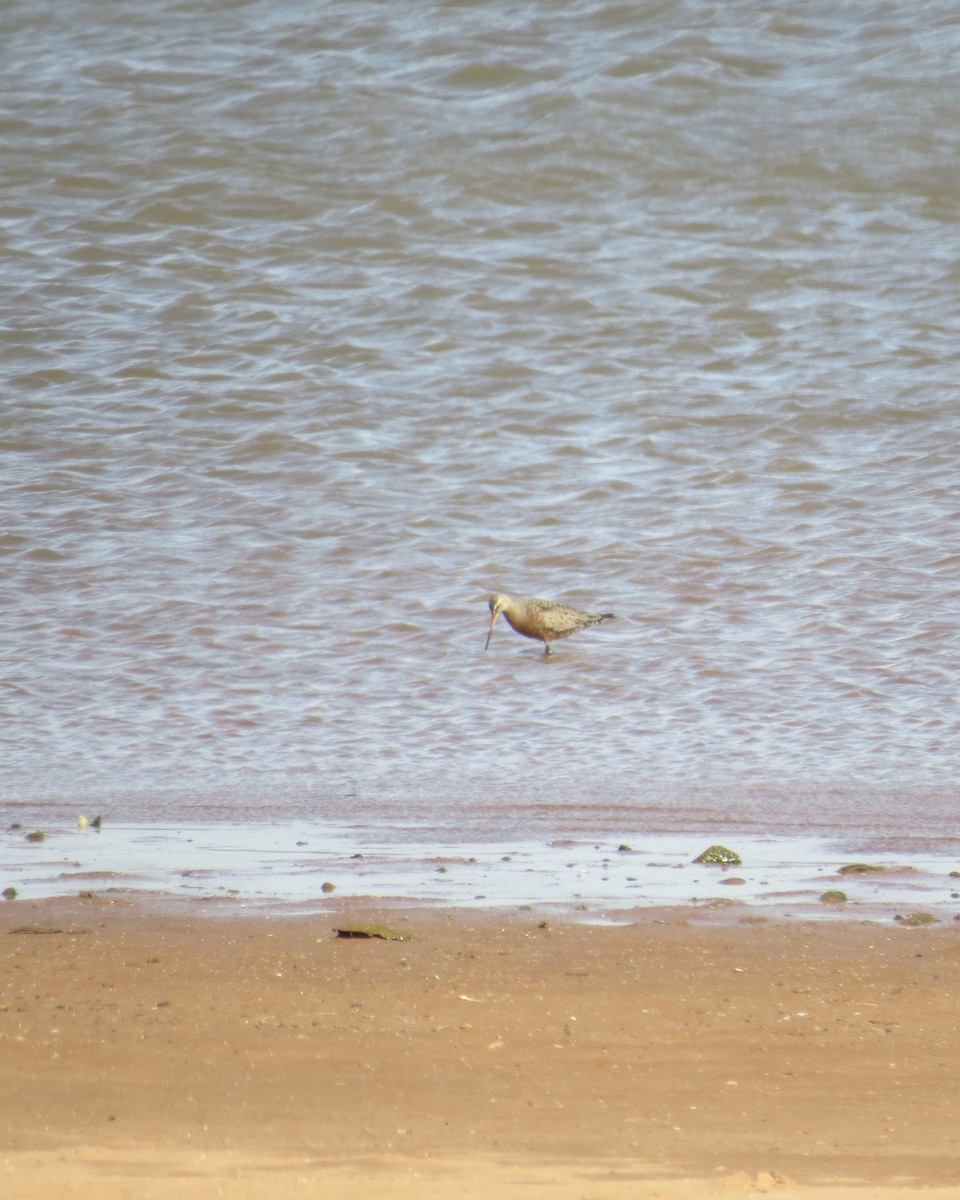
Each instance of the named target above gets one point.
<point>322,322</point>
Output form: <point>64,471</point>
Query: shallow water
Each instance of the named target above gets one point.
<point>308,867</point>
<point>323,324</point>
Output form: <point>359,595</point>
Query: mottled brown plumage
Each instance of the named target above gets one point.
<point>543,620</point>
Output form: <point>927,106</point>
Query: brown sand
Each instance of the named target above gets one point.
<point>151,1053</point>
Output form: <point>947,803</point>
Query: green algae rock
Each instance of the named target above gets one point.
<point>917,918</point>
<point>858,869</point>
<point>834,897</point>
<point>372,931</point>
<point>720,855</point>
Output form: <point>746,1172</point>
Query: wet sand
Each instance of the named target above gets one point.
<point>189,1051</point>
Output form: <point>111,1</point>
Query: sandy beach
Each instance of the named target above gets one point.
<point>161,1051</point>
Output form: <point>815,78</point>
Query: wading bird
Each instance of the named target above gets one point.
<point>543,620</point>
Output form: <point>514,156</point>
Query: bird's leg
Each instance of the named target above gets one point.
<point>546,649</point>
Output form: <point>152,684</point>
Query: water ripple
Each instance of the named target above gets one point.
<point>318,333</point>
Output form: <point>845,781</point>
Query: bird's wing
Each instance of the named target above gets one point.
<point>558,618</point>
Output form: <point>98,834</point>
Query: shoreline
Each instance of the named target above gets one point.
<point>293,867</point>
<point>178,1048</point>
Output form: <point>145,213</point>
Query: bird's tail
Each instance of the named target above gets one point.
<point>603,617</point>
